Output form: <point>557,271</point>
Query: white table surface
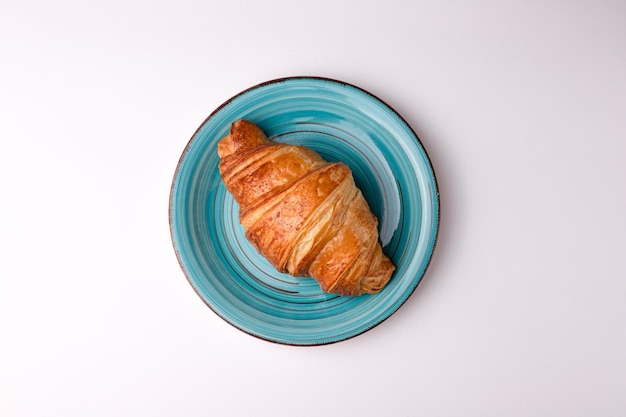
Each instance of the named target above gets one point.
<point>520,104</point>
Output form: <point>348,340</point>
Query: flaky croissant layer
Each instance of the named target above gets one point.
<point>304,215</point>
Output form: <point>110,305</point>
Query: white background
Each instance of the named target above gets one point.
<point>520,104</point>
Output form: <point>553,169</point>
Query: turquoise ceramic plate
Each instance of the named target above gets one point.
<point>343,123</point>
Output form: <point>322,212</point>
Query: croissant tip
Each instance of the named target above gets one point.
<point>241,122</point>
<point>243,134</point>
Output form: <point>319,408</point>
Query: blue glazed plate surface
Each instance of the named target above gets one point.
<point>343,123</point>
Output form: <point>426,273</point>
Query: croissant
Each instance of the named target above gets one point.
<point>304,215</point>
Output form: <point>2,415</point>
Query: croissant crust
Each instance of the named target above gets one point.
<point>304,215</point>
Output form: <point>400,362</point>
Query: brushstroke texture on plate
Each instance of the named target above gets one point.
<point>343,123</point>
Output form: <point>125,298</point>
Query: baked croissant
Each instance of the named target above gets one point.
<point>305,215</point>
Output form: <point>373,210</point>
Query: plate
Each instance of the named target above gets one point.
<point>342,122</point>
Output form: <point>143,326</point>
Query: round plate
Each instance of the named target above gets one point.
<point>342,123</point>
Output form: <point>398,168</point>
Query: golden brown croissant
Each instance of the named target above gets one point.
<point>305,215</point>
